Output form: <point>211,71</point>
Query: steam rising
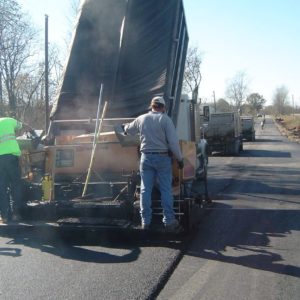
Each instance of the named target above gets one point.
<point>126,45</point>
<point>92,59</point>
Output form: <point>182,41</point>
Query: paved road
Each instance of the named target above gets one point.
<point>248,246</point>
<point>45,266</point>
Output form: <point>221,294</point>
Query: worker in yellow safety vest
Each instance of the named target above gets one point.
<point>10,173</point>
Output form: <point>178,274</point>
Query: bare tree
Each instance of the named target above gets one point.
<point>192,72</point>
<point>16,38</point>
<point>280,99</point>
<point>8,12</point>
<point>74,8</point>
<point>55,71</point>
<point>223,105</point>
<point>255,101</point>
<point>28,88</point>
<point>31,89</point>
<point>237,89</point>
<point>22,73</point>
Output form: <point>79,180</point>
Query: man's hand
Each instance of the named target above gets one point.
<point>27,128</point>
<point>180,164</point>
<point>123,127</point>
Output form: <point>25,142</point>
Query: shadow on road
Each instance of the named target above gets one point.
<point>246,236</point>
<point>77,248</point>
<point>85,245</point>
<point>243,237</point>
<point>255,198</point>
<point>267,180</point>
<point>264,140</point>
<point>261,187</point>
<point>14,252</point>
<point>265,153</point>
<point>257,153</point>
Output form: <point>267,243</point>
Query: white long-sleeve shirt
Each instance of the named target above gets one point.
<point>157,133</point>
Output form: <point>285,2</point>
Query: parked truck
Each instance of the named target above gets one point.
<point>223,133</point>
<point>248,131</point>
<point>136,50</point>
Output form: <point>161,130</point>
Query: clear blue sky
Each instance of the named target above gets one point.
<point>259,37</point>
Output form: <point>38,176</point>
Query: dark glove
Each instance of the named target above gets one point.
<point>123,127</point>
<point>180,164</point>
<point>32,132</point>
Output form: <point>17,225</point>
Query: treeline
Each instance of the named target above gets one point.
<point>252,105</point>
<point>221,105</point>
<point>238,98</point>
<point>22,76</point>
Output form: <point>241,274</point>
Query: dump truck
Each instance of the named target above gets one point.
<point>123,53</point>
<point>248,131</point>
<point>223,133</point>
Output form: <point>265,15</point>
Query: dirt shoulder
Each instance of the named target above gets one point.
<point>289,126</point>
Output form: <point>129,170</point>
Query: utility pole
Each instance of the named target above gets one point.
<point>293,106</point>
<point>215,104</point>
<point>46,75</point>
<point>195,94</point>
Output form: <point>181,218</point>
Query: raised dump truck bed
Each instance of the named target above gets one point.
<point>136,48</point>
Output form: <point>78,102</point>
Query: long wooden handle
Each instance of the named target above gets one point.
<point>88,176</point>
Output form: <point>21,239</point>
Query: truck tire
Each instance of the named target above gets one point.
<point>229,148</point>
<point>232,148</point>
<point>209,151</point>
<point>236,149</point>
<point>241,147</point>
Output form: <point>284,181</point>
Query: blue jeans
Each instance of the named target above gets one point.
<point>156,167</point>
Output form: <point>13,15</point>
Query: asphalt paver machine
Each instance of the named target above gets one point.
<point>124,52</point>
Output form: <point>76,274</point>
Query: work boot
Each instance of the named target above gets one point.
<point>16,218</point>
<point>3,220</point>
<point>145,226</point>
<point>209,203</point>
<point>173,227</point>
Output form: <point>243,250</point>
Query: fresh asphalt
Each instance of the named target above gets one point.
<point>246,246</point>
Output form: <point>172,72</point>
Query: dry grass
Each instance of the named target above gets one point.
<point>291,122</point>
<point>290,126</point>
